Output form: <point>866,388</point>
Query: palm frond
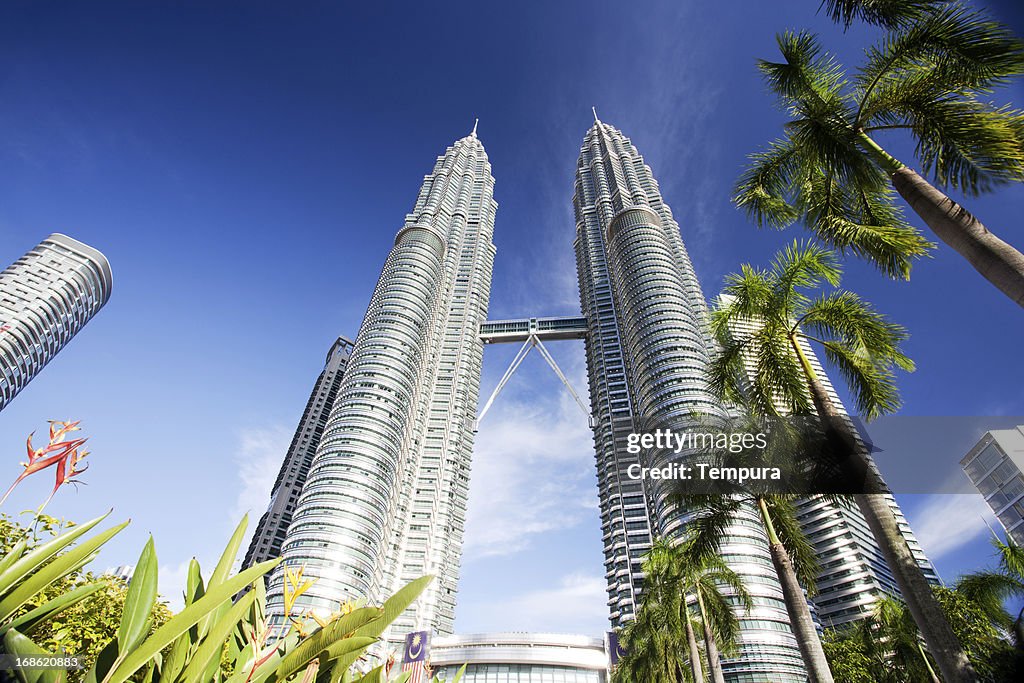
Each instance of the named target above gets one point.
<point>873,385</point>
<point>763,188</point>
<point>989,591</point>
<point>1011,557</point>
<point>844,316</point>
<point>778,384</point>
<point>706,530</point>
<point>802,265</point>
<point>865,221</point>
<point>885,13</point>
<point>809,80</point>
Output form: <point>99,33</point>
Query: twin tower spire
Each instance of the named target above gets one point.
<point>384,498</point>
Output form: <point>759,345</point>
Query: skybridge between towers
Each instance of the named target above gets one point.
<point>533,332</point>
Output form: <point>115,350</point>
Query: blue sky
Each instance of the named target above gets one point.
<point>244,166</point>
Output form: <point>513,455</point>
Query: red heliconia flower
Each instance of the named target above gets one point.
<point>57,452</point>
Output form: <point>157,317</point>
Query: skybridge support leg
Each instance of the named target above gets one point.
<point>524,350</point>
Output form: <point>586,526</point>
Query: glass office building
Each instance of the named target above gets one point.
<point>384,501</point>
<point>273,525</point>
<point>996,467</point>
<point>647,350</point>
<point>46,297</point>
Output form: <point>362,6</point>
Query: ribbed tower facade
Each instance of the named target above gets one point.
<point>273,525</point>
<point>385,498</point>
<point>46,297</point>
<point>647,349</point>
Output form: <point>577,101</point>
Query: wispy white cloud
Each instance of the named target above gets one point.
<point>258,459</point>
<point>576,604</point>
<point>946,522</point>
<point>532,473</point>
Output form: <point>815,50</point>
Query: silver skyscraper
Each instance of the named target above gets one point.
<point>647,350</point>
<point>385,498</point>
<point>46,297</point>
<point>273,525</point>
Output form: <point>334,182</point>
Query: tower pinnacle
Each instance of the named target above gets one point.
<point>475,124</point>
<point>596,120</point>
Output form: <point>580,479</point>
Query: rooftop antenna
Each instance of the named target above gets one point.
<point>475,124</point>
<point>596,120</point>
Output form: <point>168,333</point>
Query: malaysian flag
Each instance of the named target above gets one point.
<point>615,650</point>
<point>414,658</point>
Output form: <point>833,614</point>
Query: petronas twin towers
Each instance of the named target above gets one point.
<point>383,500</point>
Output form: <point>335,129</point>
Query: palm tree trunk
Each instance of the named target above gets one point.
<point>710,646</point>
<point>998,262</point>
<point>914,587</point>
<point>695,665</point>
<point>796,605</point>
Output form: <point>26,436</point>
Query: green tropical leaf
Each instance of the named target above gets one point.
<point>20,645</point>
<point>395,605</point>
<point>28,621</point>
<point>340,630</point>
<point>138,603</point>
<point>181,622</point>
<point>28,563</point>
<point>56,569</point>
<point>212,646</point>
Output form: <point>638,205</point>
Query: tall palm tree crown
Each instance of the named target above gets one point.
<point>932,77</point>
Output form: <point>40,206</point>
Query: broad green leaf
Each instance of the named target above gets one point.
<point>184,620</point>
<point>104,663</point>
<point>28,621</point>
<point>227,558</point>
<point>460,674</point>
<point>211,647</point>
<point>138,603</point>
<point>394,606</point>
<point>14,555</point>
<point>17,644</point>
<point>194,588</point>
<point>374,676</point>
<point>329,635</point>
<point>52,571</point>
<point>39,555</point>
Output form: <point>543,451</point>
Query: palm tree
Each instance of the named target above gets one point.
<point>765,367</point>
<point>890,644</point>
<point>653,648</point>
<point>792,556</point>
<point>931,77</point>
<point>661,640</point>
<point>989,590</point>
<point>704,575</point>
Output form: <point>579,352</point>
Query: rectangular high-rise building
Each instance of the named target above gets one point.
<point>384,501</point>
<point>46,297</point>
<point>996,468</point>
<point>273,525</point>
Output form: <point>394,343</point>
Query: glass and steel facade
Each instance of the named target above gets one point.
<point>647,350</point>
<point>46,297</point>
<point>385,498</point>
<point>996,467</point>
<point>520,658</point>
<point>273,525</point>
